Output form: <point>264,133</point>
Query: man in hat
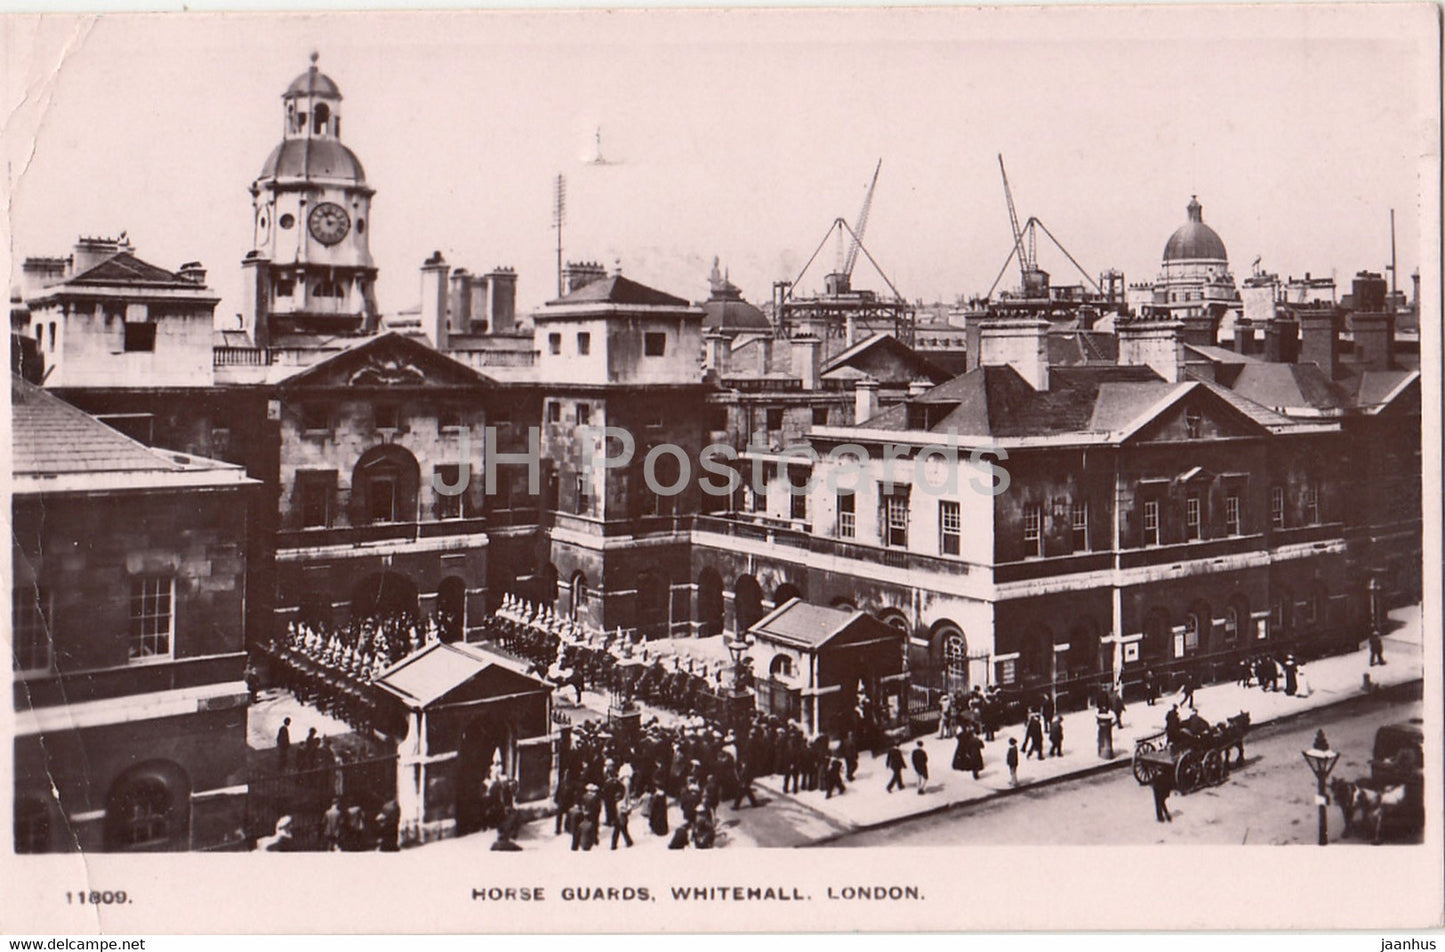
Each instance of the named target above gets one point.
<point>1377,648</point>
<point>895,766</point>
<point>1012,759</point>
<point>283,744</point>
<point>920,766</point>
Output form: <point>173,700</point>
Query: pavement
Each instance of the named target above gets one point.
<point>866,804</point>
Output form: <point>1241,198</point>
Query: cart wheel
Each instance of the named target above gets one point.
<point>1143,771</point>
<point>1213,772</point>
<point>1187,775</point>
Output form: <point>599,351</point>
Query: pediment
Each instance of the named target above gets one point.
<point>1199,415</point>
<point>389,361</point>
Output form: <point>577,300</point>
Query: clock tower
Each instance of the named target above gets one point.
<point>310,270</point>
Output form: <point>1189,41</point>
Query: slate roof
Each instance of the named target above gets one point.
<point>436,670</point>
<point>51,439</point>
<point>921,365</point>
<point>1278,385</point>
<point>615,289</point>
<point>802,623</point>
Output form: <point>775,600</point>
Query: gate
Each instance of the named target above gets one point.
<point>305,796</point>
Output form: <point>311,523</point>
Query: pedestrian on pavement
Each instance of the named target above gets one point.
<point>283,744</point>
<point>1151,687</point>
<point>1034,736</point>
<point>1012,759</point>
<point>991,708</point>
<point>1162,784</point>
<point>895,764</point>
<point>848,750</point>
<point>1377,648</point>
<point>657,812</point>
<point>920,766</point>
<point>968,752</point>
<point>1186,690</point>
<point>1105,717</point>
<point>945,716</point>
<point>331,826</point>
<point>1116,703</point>
<point>624,813</point>
<point>834,778</point>
<point>1291,678</point>
<point>1047,709</point>
<point>1056,736</point>
<point>1171,725</point>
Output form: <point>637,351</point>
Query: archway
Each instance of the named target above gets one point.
<point>384,595</point>
<point>577,597</point>
<point>1085,656</point>
<point>747,602</point>
<point>486,743</point>
<point>950,646</point>
<point>1157,634</point>
<point>1198,628</point>
<point>314,610</point>
<point>785,592</point>
<point>844,604</point>
<point>653,605</point>
<point>1238,625</point>
<point>896,620</point>
<point>709,602</point>
<point>148,808</point>
<point>384,486</point>
<point>452,608</point>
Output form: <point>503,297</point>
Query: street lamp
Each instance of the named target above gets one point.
<point>1321,760</point>
<point>737,647</point>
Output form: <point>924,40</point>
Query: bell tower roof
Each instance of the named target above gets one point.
<point>313,83</point>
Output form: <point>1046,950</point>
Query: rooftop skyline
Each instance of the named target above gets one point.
<point>743,134</point>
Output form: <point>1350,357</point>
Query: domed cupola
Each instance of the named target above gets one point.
<point>1194,240</point>
<point>311,208</point>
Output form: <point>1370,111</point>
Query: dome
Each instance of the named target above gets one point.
<point>313,158</point>
<point>313,82</point>
<point>1194,240</point>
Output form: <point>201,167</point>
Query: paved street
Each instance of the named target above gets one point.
<point>1270,800</point>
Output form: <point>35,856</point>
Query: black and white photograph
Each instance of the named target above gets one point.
<point>899,453</point>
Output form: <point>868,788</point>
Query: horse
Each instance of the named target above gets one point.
<point>1233,733</point>
<point>1371,804</point>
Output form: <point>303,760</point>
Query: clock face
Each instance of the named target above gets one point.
<point>329,223</point>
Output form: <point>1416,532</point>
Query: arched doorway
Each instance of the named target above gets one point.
<point>951,648</point>
<point>785,592</point>
<point>1158,635</point>
<point>1198,628</point>
<point>577,597</point>
<point>747,602</point>
<point>384,595</point>
<point>709,603</point>
<point>314,610</point>
<point>452,608</point>
<point>653,605</point>
<point>148,809</point>
<point>384,486</point>
<point>486,744</point>
<point>1238,625</point>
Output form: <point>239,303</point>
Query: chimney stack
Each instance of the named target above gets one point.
<point>434,300</point>
<point>917,388</point>
<point>1021,343</point>
<point>194,272</point>
<point>255,293</point>
<point>1200,330</point>
<point>1374,339</point>
<point>504,300</point>
<point>461,300</point>
<point>1281,339</point>
<point>765,355</point>
<point>1320,339</point>
<point>808,360</point>
<point>865,400</point>
<point>1152,341</point>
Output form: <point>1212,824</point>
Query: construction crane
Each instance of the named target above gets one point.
<point>1034,281</point>
<point>1026,263</point>
<point>846,267</point>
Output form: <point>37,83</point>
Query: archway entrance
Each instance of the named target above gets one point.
<point>747,602</point>
<point>486,745</point>
<point>384,595</point>
<point>785,592</point>
<point>149,809</point>
<point>952,649</point>
<point>452,608</point>
<point>653,593</point>
<point>709,603</point>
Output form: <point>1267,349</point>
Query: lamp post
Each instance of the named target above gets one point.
<point>740,698</point>
<point>1321,760</point>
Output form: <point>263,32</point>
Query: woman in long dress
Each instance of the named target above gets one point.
<point>657,812</point>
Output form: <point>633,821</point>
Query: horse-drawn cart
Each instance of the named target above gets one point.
<point>1196,758</point>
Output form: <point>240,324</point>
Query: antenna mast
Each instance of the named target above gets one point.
<point>1392,259</point>
<point>559,217</point>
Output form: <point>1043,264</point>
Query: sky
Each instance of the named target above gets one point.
<point>743,134</point>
